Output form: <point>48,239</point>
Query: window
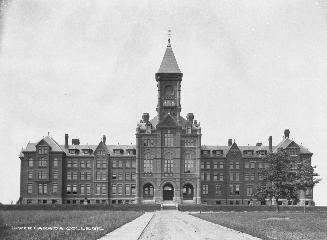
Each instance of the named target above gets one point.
<point>101,175</point>
<point>120,189</point>
<point>215,176</point>
<point>43,188</point>
<point>54,188</point>
<point>133,164</point>
<point>82,187</point>
<point>247,176</point>
<point>231,165</point>
<point>120,176</point>
<point>148,190</point>
<point>42,162</point>
<point>148,142</point>
<point>88,189</point>
<point>169,139</point>
<point>55,174</point>
<point>189,142</point>
<point>74,189</point>
<point>221,165</point>
<point>148,163</point>
<point>202,176</point>
<point>74,175</point>
<point>114,176</point>
<point>75,163</point>
<point>205,189</point>
<point>260,165</point>
<point>247,165</point>
<point>69,163</point>
<point>237,176</point>
<point>68,189</point>
<point>88,175</point>
<point>128,163</point>
<point>202,165</point>
<point>114,163</point>
<point>249,190</point>
<point>189,163</point>
<point>127,176</point>
<point>252,176</point>
<point>218,189</point>
<point>55,162</point>
<point>188,130</point>
<point>260,177</point>
<point>252,165</point>
<point>42,174</point>
<point>88,164</point>
<point>133,188</point>
<point>168,163</point>
<point>237,165</point>
<point>30,174</point>
<point>120,163</point>
<point>30,162</point>
<point>69,175</point>
<point>127,189</point>
<point>43,150</point>
<point>82,164</point>
<point>207,165</point>
<point>234,189</point>
<point>133,176</point>
<point>221,177</point>
<point>30,188</point>
<point>215,164</point>
<point>100,188</point>
<point>98,163</point>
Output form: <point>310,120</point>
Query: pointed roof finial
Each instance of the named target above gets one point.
<point>169,35</point>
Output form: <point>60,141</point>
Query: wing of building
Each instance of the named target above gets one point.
<point>168,162</point>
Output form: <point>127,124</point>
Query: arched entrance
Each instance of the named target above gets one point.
<point>168,192</point>
<point>148,191</point>
<point>188,192</point>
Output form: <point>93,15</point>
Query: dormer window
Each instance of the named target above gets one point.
<point>131,151</point>
<point>74,151</point>
<point>205,152</point>
<point>101,152</point>
<point>86,151</point>
<point>217,152</point>
<point>148,129</point>
<point>262,152</point>
<point>189,130</point>
<point>118,151</point>
<point>248,152</point>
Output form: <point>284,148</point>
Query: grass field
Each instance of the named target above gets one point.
<point>273,225</point>
<point>65,221</point>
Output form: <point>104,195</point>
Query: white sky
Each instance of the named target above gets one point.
<point>251,69</point>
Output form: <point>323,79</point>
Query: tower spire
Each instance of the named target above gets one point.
<point>169,35</point>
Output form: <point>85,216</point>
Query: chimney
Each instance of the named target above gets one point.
<point>287,133</point>
<point>270,143</point>
<point>145,117</point>
<point>230,142</point>
<point>75,141</point>
<point>190,117</point>
<point>66,140</point>
<point>104,138</point>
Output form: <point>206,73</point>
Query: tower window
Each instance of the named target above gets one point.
<point>169,139</point>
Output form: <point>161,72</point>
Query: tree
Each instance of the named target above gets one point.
<point>284,177</point>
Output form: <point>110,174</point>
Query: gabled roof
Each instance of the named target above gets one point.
<point>169,63</point>
<point>287,142</point>
<point>168,121</point>
<point>52,143</point>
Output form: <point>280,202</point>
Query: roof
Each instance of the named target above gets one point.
<point>286,142</point>
<point>225,149</point>
<point>169,63</point>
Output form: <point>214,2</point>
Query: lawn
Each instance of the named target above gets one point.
<point>273,225</point>
<point>64,224</point>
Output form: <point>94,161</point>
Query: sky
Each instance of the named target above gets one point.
<point>251,68</point>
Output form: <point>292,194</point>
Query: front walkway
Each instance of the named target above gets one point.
<point>171,225</point>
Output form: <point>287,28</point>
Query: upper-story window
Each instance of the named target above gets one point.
<point>55,162</point>
<point>118,151</point>
<point>148,142</point>
<point>293,151</point>
<point>42,162</point>
<point>43,150</point>
<point>205,152</point>
<point>169,139</point>
<point>101,152</point>
<point>248,152</point>
<point>189,142</point>
<point>189,130</point>
<point>189,163</point>
<point>30,162</point>
<point>168,163</point>
<point>148,162</point>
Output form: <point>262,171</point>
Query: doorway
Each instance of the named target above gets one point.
<point>168,192</point>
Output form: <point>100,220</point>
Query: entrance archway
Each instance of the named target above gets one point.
<point>168,192</point>
<point>188,192</point>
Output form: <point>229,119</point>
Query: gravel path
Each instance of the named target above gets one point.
<point>170,225</point>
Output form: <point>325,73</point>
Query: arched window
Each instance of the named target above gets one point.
<point>188,192</point>
<point>148,191</point>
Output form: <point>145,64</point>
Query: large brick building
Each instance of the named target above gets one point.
<point>168,162</point>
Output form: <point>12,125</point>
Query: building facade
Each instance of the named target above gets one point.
<point>168,163</point>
